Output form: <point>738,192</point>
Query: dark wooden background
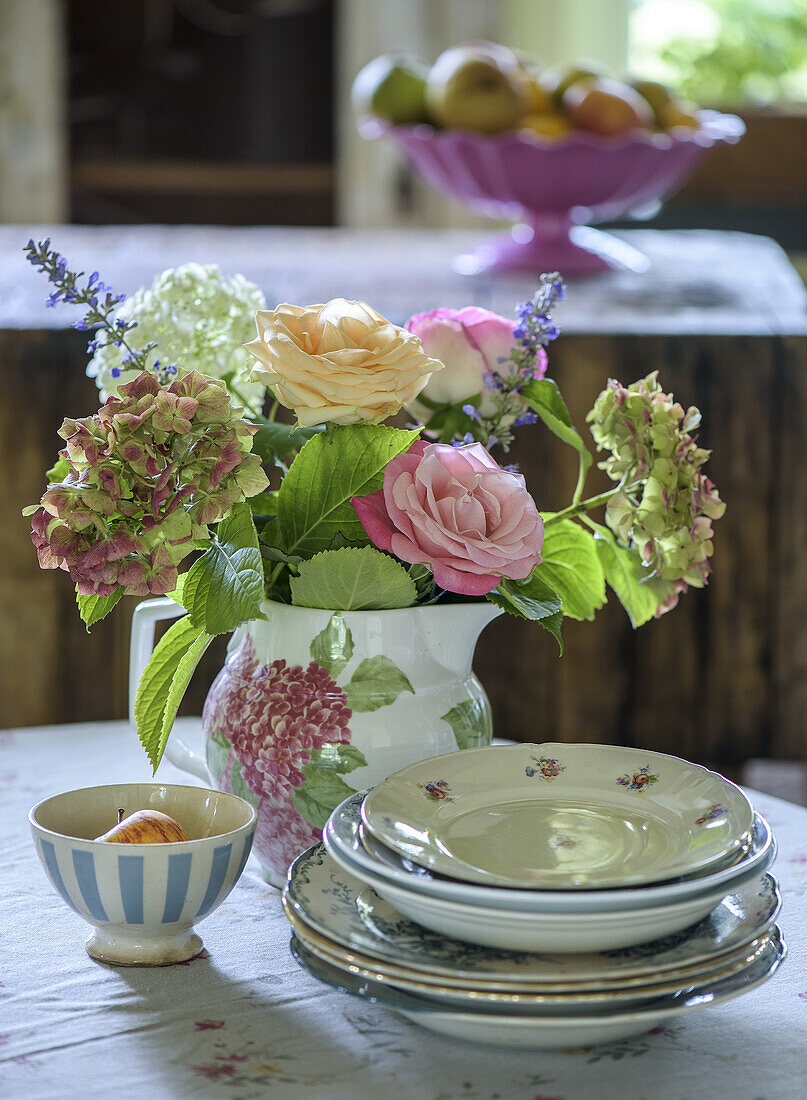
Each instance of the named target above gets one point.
<point>722,678</point>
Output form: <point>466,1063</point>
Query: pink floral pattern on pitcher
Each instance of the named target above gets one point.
<point>274,716</point>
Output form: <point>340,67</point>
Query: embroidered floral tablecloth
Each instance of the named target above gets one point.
<point>243,1021</point>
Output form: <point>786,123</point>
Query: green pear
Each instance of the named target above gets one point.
<point>392,87</point>
<point>476,87</point>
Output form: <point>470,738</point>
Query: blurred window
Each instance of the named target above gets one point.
<point>723,52</point>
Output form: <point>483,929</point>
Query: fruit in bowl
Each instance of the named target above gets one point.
<point>144,827</point>
<point>477,88</point>
<point>145,886</point>
<point>553,147</point>
<point>486,88</point>
<point>606,107</point>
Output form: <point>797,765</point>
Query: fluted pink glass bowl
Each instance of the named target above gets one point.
<point>553,188</point>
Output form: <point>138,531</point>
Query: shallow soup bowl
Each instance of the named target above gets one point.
<point>143,899</point>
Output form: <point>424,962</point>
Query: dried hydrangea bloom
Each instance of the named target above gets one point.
<point>193,314</point>
<point>139,482</point>
<point>667,506</point>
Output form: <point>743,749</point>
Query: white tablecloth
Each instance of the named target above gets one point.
<point>243,1021</point>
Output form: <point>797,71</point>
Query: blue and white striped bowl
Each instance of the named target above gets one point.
<point>143,898</point>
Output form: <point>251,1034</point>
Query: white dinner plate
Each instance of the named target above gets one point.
<point>539,1028</point>
<point>559,816</point>
<point>340,908</point>
<point>342,839</point>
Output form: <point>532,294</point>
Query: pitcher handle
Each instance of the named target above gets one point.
<point>145,618</point>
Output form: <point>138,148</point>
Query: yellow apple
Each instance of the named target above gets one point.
<point>606,107</point>
<point>476,87</point>
<point>547,125</point>
<point>144,827</point>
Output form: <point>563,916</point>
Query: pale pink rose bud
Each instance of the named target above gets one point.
<point>474,345</point>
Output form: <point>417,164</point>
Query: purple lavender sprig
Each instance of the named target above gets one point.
<point>99,302</point>
<point>534,330</point>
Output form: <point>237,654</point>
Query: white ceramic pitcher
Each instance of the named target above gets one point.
<point>312,705</point>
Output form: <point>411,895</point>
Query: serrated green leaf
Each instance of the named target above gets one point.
<point>471,724</point>
<point>624,573</point>
<point>323,788</point>
<point>377,682</point>
<point>94,608</point>
<point>224,587</point>
<point>217,753</point>
<point>333,646</point>
<point>314,497</point>
<point>571,566</point>
<point>352,579</point>
<point>532,598</point>
<point>164,682</point>
<point>240,787</point>
<point>553,624</point>
<point>544,398</point>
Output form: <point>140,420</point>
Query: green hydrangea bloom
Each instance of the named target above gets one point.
<point>666,509</point>
<point>198,319</point>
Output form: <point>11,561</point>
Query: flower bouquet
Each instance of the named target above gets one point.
<point>181,485</point>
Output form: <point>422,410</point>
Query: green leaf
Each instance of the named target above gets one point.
<point>264,504</point>
<point>333,646</point>
<point>624,573</point>
<point>323,789</point>
<point>277,444</point>
<point>377,682</point>
<point>217,753</point>
<point>314,497</point>
<point>570,565</point>
<point>224,587</point>
<point>352,579</point>
<point>544,398</point>
<point>471,724</point>
<point>553,624</point>
<point>240,787</point>
<point>163,683</point>
<point>532,598</point>
<point>94,608</point>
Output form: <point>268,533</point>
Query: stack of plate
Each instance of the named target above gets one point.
<point>557,895</point>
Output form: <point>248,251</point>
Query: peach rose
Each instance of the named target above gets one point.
<point>340,362</point>
<point>455,510</point>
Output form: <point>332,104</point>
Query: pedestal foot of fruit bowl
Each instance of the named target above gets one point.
<point>552,245</point>
<point>127,947</point>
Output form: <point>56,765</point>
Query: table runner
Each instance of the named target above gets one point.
<point>244,1021</point>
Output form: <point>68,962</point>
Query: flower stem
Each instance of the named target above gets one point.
<point>585,461</point>
<point>577,509</point>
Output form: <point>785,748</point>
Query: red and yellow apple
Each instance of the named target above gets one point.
<point>606,107</point>
<point>144,827</point>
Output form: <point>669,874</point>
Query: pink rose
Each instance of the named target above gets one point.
<point>455,510</point>
<point>471,343</point>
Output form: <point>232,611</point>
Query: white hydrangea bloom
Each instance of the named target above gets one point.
<point>198,319</point>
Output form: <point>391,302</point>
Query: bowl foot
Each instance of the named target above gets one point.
<point>552,245</point>
<point>126,947</point>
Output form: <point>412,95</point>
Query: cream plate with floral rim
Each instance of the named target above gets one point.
<point>354,919</point>
<point>559,816</point>
<point>539,1027</point>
